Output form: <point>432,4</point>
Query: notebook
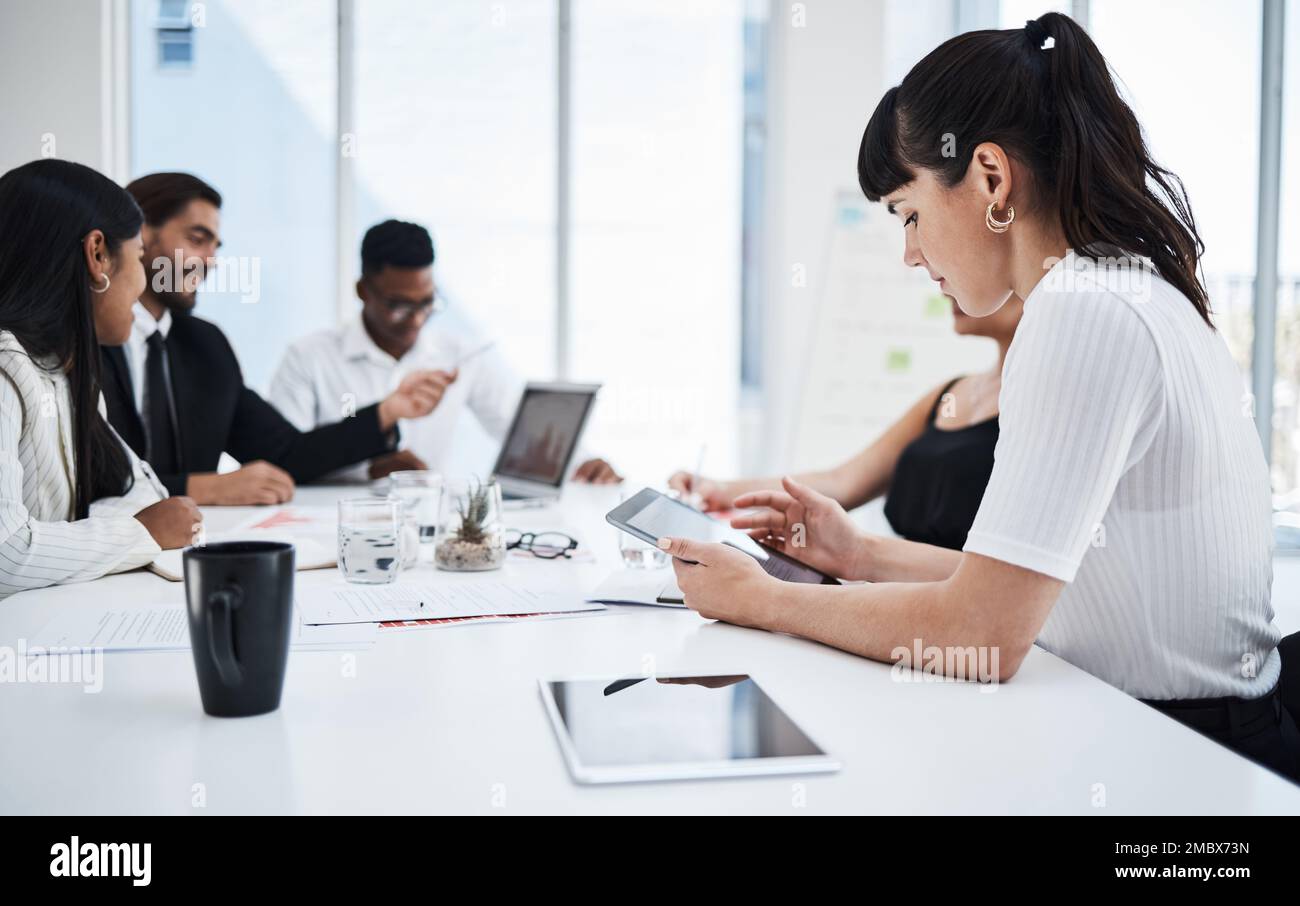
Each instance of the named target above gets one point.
<point>308,554</point>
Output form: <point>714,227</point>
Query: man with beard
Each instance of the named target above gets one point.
<point>175,391</point>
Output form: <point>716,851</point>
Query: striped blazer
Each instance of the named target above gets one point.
<point>40,542</point>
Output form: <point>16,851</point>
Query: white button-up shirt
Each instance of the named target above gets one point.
<point>136,349</point>
<point>331,374</point>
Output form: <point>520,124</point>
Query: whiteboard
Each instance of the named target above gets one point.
<point>882,337</point>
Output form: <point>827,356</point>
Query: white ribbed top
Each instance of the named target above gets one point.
<point>1128,465</point>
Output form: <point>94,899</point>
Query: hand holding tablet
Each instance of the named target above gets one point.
<point>650,515</point>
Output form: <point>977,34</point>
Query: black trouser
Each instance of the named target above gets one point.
<point>1262,729</point>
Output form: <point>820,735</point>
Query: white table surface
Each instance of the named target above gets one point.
<point>448,719</point>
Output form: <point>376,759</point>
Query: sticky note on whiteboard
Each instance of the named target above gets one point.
<point>937,306</point>
<point>898,360</point>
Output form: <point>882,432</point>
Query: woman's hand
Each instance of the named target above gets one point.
<point>173,522</point>
<point>723,583</point>
<point>711,495</point>
<point>808,526</point>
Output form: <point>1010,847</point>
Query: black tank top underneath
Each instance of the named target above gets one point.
<point>939,481</point>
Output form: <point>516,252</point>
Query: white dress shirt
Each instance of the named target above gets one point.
<point>136,351</point>
<point>1129,467</point>
<point>331,374</point>
<point>40,542</point>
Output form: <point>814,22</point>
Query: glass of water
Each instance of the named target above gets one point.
<point>370,539</point>
<point>419,492</point>
<point>638,554</point>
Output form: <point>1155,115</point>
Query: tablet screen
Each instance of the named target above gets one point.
<point>652,516</point>
<point>647,721</point>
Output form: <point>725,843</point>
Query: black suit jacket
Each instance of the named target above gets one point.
<point>216,413</point>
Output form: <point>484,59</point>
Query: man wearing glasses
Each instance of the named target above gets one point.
<point>175,392</point>
<point>329,373</point>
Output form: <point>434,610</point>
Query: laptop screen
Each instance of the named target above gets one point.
<point>545,433</point>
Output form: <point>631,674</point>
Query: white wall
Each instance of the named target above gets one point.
<point>58,97</point>
<point>826,75</point>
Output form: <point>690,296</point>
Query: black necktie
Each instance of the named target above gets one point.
<point>161,451</point>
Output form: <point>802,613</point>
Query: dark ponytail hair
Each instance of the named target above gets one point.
<point>47,208</point>
<point>1056,110</point>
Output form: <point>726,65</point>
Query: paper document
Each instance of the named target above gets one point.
<point>385,603</point>
<point>166,628</point>
<point>655,587</point>
<point>116,629</point>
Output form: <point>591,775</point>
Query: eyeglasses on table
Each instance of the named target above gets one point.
<point>544,545</point>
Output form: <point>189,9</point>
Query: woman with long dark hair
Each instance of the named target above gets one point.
<point>75,504</point>
<point>1126,526</point>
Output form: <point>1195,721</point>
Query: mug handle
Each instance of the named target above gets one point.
<point>221,633</point>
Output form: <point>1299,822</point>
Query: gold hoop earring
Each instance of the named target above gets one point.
<point>107,284</point>
<point>999,226</point>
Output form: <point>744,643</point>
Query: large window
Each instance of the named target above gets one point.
<point>1286,391</point>
<point>455,129</point>
<point>452,121</point>
<point>248,106</point>
<point>1204,130</point>
<point>1015,13</point>
<point>658,114</point>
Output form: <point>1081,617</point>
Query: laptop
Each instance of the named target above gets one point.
<point>542,440</point>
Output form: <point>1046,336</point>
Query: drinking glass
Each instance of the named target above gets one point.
<point>419,491</point>
<point>370,539</point>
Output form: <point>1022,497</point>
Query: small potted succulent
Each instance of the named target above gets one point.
<point>470,535</point>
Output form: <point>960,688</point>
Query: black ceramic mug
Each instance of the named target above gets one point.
<point>240,604</point>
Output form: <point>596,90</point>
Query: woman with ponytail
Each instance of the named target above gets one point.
<point>1126,526</point>
<point>75,503</point>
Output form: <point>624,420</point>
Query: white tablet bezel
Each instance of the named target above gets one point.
<point>686,770</point>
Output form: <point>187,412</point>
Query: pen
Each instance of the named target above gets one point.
<point>696,496</point>
<point>147,470</point>
<point>154,482</point>
<point>473,355</point>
